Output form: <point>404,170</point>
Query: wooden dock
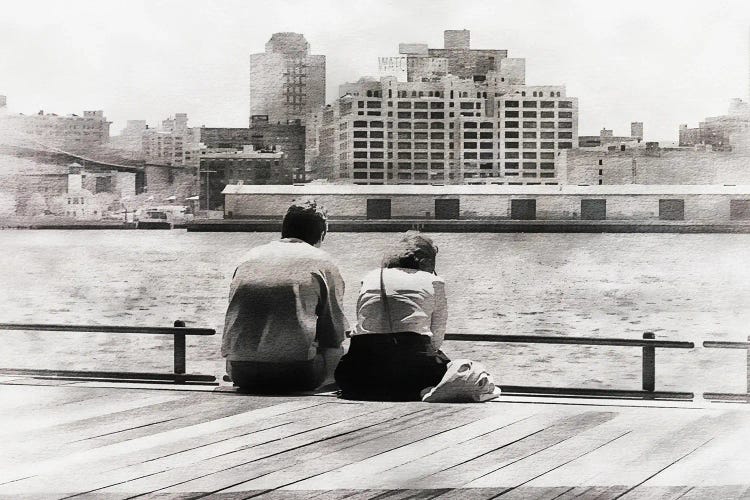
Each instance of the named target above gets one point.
<point>63,438</point>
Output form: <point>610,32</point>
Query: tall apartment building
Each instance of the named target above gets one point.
<point>484,125</point>
<point>287,83</point>
<point>173,143</point>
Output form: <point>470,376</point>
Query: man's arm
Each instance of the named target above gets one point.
<point>439,314</point>
<point>332,324</point>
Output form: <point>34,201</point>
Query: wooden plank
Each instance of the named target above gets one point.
<point>638,423</point>
<point>648,450</point>
<point>717,492</point>
<point>316,472</point>
<point>722,461</point>
<point>150,455</point>
<point>398,467</point>
<point>16,425</point>
<point>563,427</point>
<point>595,436</point>
<point>137,448</point>
<point>19,398</point>
<point>221,472</point>
<point>416,474</point>
<point>63,440</point>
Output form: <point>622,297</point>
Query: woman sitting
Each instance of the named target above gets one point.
<point>401,317</point>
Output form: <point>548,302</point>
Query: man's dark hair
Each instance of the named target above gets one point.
<point>304,220</point>
<point>410,251</point>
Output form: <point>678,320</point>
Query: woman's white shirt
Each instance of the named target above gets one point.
<point>416,302</point>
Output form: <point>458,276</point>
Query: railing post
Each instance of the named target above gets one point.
<point>649,364</point>
<point>179,349</point>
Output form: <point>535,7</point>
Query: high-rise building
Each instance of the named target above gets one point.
<point>173,144</point>
<point>468,118</point>
<point>636,130</point>
<point>287,83</point>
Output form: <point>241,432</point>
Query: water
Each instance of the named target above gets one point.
<point>680,286</point>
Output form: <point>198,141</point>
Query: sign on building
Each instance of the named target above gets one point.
<point>393,66</point>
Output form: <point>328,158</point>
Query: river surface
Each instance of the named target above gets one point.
<point>680,286</point>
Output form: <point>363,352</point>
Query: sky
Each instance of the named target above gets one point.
<point>660,62</point>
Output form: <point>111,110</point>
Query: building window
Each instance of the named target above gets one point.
<point>529,104</point>
<point>511,124</point>
<point>511,145</point>
<point>511,104</point>
<point>565,104</point>
<point>672,209</point>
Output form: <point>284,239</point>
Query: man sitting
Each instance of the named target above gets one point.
<point>284,325</point>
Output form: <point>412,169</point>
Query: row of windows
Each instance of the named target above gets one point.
<point>514,124</point>
<point>363,133</point>
<point>514,135</point>
<point>466,125</point>
<point>471,155</point>
<point>422,115</point>
<point>542,114</point>
<point>421,105</point>
<point>508,145</point>
<point>406,165</point>
<point>540,104</point>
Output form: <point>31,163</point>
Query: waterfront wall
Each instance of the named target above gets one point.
<point>710,208</point>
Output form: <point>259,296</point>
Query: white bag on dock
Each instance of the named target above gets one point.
<point>465,381</point>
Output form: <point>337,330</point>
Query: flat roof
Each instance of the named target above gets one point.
<point>487,189</point>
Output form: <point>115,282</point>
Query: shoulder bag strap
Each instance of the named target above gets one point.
<point>386,307</point>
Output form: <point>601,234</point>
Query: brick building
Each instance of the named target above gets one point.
<point>71,132</point>
<point>262,135</point>
<point>650,164</point>
<point>246,166</point>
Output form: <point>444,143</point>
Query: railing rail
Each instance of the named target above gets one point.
<point>648,345</point>
<point>178,331</point>
<point>714,344</point>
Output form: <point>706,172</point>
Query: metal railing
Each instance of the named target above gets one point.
<point>648,366</point>
<point>178,331</point>
<point>714,344</point>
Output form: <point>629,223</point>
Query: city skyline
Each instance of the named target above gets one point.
<point>662,64</point>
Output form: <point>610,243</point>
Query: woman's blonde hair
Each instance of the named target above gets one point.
<point>411,250</point>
